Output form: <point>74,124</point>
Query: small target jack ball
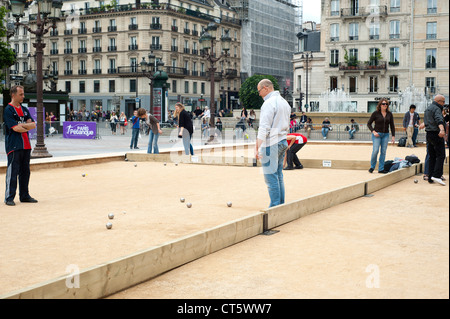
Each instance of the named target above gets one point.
<point>416,181</point>
<point>182,199</point>
<point>108,226</point>
<point>229,204</point>
<point>165,164</point>
<point>111,216</point>
<point>189,205</point>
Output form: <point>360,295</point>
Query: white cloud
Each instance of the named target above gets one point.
<point>311,10</point>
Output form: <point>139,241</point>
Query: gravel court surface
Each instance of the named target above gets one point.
<point>66,228</point>
<point>389,246</point>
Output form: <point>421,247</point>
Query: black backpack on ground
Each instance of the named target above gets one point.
<point>402,141</point>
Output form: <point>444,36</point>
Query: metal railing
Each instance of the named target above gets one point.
<point>339,132</point>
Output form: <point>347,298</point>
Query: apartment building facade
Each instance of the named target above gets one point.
<point>97,49</point>
<point>379,48</point>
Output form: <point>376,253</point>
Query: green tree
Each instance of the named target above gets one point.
<point>249,95</point>
<point>7,55</point>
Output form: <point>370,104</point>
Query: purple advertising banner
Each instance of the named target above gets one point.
<point>33,112</point>
<point>80,130</point>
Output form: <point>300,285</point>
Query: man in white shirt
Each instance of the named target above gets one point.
<point>272,133</point>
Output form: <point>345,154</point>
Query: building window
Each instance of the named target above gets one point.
<point>335,7</point>
<point>432,6</point>
<point>373,56</point>
<point>186,86</point>
<point>393,83</point>
<point>174,86</point>
<point>133,85</point>
<point>374,31</point>
<point>333,83</point>
<point>334,58</point>
<point>431,30</point>
<point>394,56</point>
<point>352,84</point>
<point>353,31</point>
<point>112,86</point>
<point>373,84</point>
<point>203,88</point>
<point>395,5</point>
<point>96,86</point>
<point>68,86</point>
<point>353,54</point>
<point>431,59</point>
<point>334,35</point>
<point>394,29</point>
<point>194,88</point>
<point>430,85</point>
<point>82,87</point>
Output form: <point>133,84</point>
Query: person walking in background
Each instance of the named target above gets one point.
<point>272,133</point>
<point>411,122</point>
<point>113,120</point>
<point>135,130</point>
<point>435,132</point>
<point>308,127</point>
<point>326,127</point>
<point>18,122</point>
<point>185,128</point>
<point>122,120</point>
<point>383,119</point>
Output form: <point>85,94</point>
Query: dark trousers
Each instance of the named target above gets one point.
<point>18,166</point>
<point>134,137</point>
<point>436,152</point>
<point>292,155</point>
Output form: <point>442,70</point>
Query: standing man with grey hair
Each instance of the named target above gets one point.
<point>18,122</point>
<point>272,134</point>
<point>434,126</point>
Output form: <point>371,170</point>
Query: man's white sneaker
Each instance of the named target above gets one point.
<point>438,180</point>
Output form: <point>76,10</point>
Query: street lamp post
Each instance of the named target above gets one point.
<point>149,70</point>
<point>307,57</point>
<point>47,10</point>
<point>207,44</point>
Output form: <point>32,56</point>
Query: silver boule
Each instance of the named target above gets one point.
<point>189,205</point>
<point>182,199</point>
<point>416,181</point>
<point>229,204</point>
<point>111,216</point>
<point>108,225</point>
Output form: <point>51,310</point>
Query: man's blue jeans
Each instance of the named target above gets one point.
<point>272,164</point>
<point>325,131</point>
<point>153,142</point>
<point>379,144</point>
<point>134,138</point>
<point>351,132</point>
<point>414,137</point>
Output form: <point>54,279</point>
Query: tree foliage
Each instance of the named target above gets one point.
<point>249,95</point>
<point>7,55</point>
